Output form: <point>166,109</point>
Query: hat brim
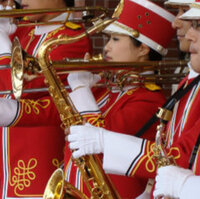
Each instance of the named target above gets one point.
<point>114,28</point>
<point>191,14</point>
<point>175,3</point>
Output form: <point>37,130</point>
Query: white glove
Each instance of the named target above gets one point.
<point>6,25</point>
<point>8,110</point>
<point>86,139</point>
<point>119,150</point>
<point>81,95</point>
<point>170,181</point>
<point>82,79</point>
<point>191,188</point>
<point>6,28</point>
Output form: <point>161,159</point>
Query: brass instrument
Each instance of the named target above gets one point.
<point>16,13</point>
<point>97,182</point>
<point>121,74</point>
<point>57,184</point>
<point>21,62</point>
<point>118,74</point>
<point>160,154</point>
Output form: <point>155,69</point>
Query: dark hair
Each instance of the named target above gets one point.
<point>153,55</point>
<point>69,3</point>
<point>18,6</point>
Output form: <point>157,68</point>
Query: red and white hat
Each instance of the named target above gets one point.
<point>193,13</point>
<point>146,22</point>
<point>179,2</point>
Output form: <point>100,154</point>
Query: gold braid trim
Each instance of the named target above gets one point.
<point>23,175</point>
<point>34,105</point>
<point>195,5</point>
<point>150,165</point>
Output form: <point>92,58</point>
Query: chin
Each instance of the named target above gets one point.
<point>195,65</point>
<point>184,47</point>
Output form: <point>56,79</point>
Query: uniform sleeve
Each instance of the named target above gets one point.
<point>5,80</point>
<point>5,75</point>
<point>5,59</point>
<point>134,156</point>
<point>36,112</point>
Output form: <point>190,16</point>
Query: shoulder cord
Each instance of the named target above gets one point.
<point>169,104</point>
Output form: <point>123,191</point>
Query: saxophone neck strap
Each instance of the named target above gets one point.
<point>169,104</point>
<point>194,153</point>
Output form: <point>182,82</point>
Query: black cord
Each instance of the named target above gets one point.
<point>194,152</point>
<point>168,105</point>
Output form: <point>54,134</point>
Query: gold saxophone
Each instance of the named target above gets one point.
<point>160,154</point>
<point>96,180</point>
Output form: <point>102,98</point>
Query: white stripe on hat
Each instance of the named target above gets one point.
<point>156,9</point>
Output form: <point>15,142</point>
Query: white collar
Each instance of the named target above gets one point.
<point>192,73</point>
<point>39,30</point>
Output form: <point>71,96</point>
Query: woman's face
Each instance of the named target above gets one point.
<point>121,48</point>
<point>193,35</point>
<point>181,27</point>
<point>42,4</point>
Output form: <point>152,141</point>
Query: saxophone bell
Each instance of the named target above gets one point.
<point>58,188</point>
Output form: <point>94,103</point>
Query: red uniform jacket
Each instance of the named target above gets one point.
<point>32,147</point>
<point>125,112</point>
<point>182,134</point>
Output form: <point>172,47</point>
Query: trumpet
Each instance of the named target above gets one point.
<point>115,74</point>
<point>88,15</point>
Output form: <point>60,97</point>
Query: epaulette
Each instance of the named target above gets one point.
<point>72,25</point>
<point>25,18</point>
<point>152,87</point>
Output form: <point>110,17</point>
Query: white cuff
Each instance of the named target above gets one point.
<point>190,188</point>
<point>119,152</point>
<point>8,111</point>
<point>84,100</point>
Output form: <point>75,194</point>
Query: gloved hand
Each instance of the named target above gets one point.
<point>82,79</point>
<point>8,111</point>
<point>86,139</point>
<point>80,83</point>
<point>6,28</point>
<point>6,24</point>
<point>170,180</point>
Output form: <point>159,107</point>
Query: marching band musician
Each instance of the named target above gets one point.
<point>32,141</point>
<point>185,183</point>
<point>134,156</point>
<point>117,109</point>
<point>181,28</point>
